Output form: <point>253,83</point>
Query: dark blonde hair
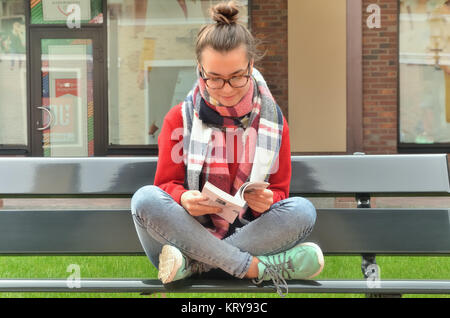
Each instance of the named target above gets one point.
<point>227,33</point>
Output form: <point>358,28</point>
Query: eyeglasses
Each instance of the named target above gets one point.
<point>218,83</point>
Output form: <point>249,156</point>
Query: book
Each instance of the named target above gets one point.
<point>231,206</point>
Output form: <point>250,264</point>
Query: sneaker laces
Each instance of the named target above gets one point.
<point>196,267</point>
<point>276,268</point>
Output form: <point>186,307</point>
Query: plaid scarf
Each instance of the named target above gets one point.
<point>256,120</point>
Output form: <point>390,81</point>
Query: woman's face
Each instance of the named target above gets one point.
<point>226,65</point>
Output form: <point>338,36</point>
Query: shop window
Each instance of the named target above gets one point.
<point>424,85</point>
<point>151,63</point>
<point>13,89</point>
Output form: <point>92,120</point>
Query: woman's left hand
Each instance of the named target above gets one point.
<point>259,200</point>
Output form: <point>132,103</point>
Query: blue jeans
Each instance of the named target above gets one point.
<point>159,220</point>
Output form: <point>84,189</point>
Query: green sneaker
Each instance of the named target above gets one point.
<point>173,265</point>
<point>304,261</point>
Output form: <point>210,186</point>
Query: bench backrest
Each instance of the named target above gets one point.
<point>348,231</point>
<point>323,175</point>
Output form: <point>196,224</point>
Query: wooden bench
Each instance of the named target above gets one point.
<point>362,231</point>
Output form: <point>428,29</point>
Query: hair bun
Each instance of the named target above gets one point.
<point>225,13</point>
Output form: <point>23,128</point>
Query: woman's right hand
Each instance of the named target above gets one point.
<point>194,202</point>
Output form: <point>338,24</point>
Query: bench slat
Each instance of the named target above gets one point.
<point>383,231</point>
<point>370,174</point>
<point>337,231</point>
<point>75,176</point>
<point>229,286</point>
<point>68,232</point>
<point>101,176</point>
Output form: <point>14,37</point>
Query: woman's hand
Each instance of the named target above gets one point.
<point>194,202</point>
<point>259,200</point>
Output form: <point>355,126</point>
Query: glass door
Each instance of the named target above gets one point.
<point>64,92</point>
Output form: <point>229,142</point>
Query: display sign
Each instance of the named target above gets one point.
<point>65,110</point>
<point>65,86</point>
<point>64,126</point>
<point>60,10</point>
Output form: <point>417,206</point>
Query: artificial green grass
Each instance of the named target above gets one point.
<point>336,267</point>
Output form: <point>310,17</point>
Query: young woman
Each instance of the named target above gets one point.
<point>229,130</point>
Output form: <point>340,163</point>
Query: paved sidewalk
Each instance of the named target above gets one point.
<point>381,202</point>
<point>55,204</point>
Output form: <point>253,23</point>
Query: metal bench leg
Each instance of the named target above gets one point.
<point>369,267</point>
<point>371,273</point>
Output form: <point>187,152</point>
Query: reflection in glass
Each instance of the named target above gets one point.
<point>424,71</point>
<point>151,65</point>
<point>13,93</point>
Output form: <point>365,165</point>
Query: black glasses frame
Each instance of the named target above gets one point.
<point>206,79</point>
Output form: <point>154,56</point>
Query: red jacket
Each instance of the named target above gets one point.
<point>170,175</point>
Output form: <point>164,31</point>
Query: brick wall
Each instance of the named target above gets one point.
<point>269,25</point>
<point>380,68</point>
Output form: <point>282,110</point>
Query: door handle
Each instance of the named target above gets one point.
<point>47,126</point>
